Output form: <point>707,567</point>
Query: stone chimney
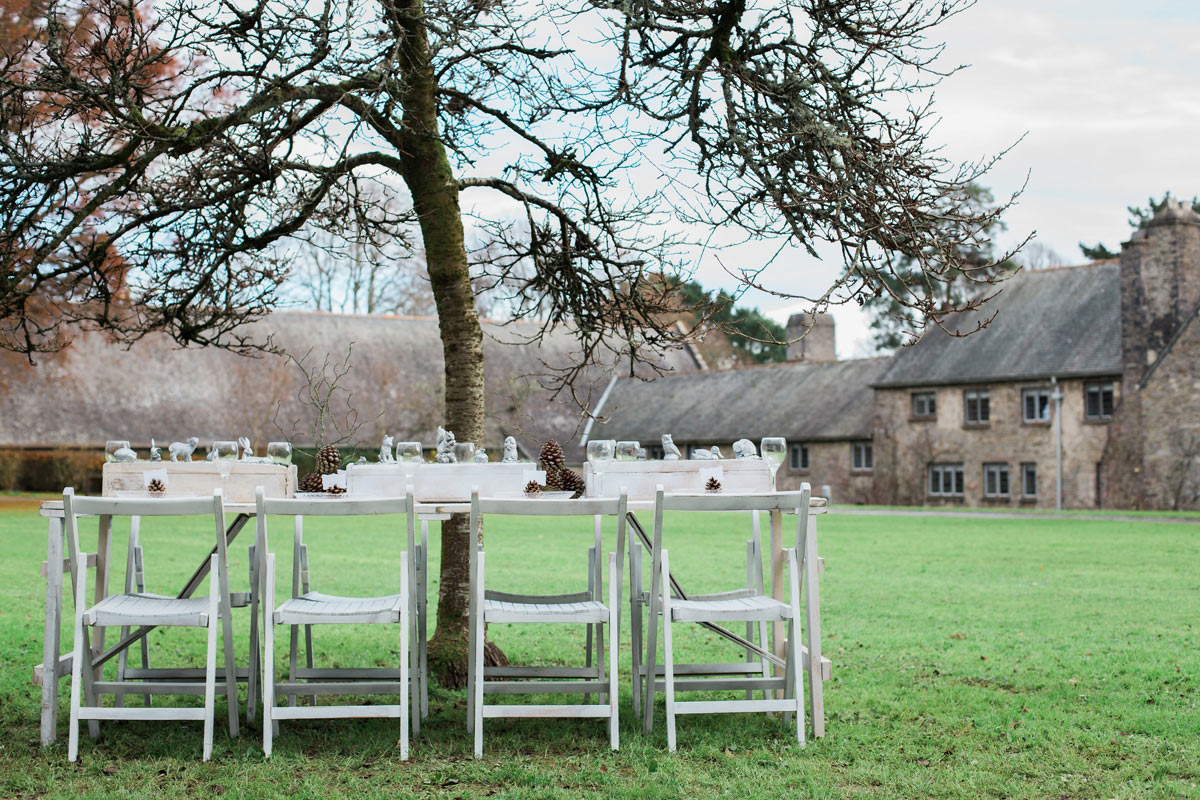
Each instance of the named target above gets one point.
<point>817,345</point>
<point>1160,284</point>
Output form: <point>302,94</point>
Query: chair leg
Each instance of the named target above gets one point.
<point>794,644</point>
<point>89,677</point>
<point>210,671</point>
<point>635,621</point>
<point>405,636</point>
<point>591,629</point>
<point>268,664</point>
<point>308,656</point>
<point>422,619</point>
<point>614,615</point>
<point>77,659</point>
<point>231,691</point>
<point>477,678</point>
<point>411,651</point>
<point>252,679</point>
<point>668,653</point>
<point>293,660</point>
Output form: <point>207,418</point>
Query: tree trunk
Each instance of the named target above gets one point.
<point>434,190</point>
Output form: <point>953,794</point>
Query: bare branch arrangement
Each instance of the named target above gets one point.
<point>335,420</point>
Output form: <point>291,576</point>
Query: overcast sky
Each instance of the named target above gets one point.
<point>1106,93</point>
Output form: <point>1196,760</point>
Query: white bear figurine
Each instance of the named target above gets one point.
<point>385,451</point>
<point>510,450</point>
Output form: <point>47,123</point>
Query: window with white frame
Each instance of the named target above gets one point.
<point>924,405</point>
<point>995,480</point>
<point>861,456</point>
<point>945,480</point>
<point>799,457</point>
<point>1029,479</point>
<point>976,409</point>
<point>1098,400</point>
<point>1035,405</point>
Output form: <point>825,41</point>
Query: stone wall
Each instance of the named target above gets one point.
<point>1163,418</point>
<point>905,446</point>
<point>1150,456</point>
<point>829,464</point>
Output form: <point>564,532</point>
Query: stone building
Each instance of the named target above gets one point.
<point>1084,385</point>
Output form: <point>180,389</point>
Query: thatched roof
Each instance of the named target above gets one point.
<point>801,402</point>
<point>95,391</point>
<point>1063,322</point>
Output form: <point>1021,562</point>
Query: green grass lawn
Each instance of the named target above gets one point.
<point>1039,658</point>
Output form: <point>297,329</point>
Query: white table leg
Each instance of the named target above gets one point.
<point>54,586</point>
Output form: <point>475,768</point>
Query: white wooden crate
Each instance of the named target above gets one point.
<point>202,477</point>
<point>442,482</point>
<point>641,478</point>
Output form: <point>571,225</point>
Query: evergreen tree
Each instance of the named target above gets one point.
<point>1138,218</point>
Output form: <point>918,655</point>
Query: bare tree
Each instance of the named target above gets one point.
<point>152,165</point>
<point>1036,255</point>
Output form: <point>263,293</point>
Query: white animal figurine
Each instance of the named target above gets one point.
<point>155,452</point>
<point>385,451</point>
<point>744,448</point>
<point>481,456</point>
<point>510,450</point>
<point>211,455</point>
<point>716,452</point>
<point>182,451</point>
<point>361,460</point>
<point>670,451</point>
<point>445,447</point>
<point>702,455</point>
<point>124,455</point>
<point>246,449</point>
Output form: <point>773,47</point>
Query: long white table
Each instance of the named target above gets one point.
<point>57,565</point>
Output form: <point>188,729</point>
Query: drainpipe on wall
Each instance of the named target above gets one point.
<point>1057,397</point>
<point>587,429</point>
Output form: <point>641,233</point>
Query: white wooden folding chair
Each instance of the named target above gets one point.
<point>142,609</point>
<point>748,604</point>
<point>135,583</point>
<point>586,607</point>
<point>307,608</point>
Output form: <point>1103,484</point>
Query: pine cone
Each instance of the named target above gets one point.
<point>552,456</point>
<point>554,479</point>
<point>532,488</point>
<point>713,485</point>
<point>328,460</point>
<point>572,481</point>
<point>336,490</point>
<point>156,486</point>
<point>311,483</point>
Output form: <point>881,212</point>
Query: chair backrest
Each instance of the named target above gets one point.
<point>76,505</point>
<point>795,502</point>
<point>332,507</point>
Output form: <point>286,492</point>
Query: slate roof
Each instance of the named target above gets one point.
<point>1063,322</point>
<point>95,391</point>
<point>801,402</point>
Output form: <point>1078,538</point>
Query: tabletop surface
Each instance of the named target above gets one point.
<point>53,508</point>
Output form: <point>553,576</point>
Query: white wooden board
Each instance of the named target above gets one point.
<point>191,478</point>
<point>433,482</point>
<point>640,478</point>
